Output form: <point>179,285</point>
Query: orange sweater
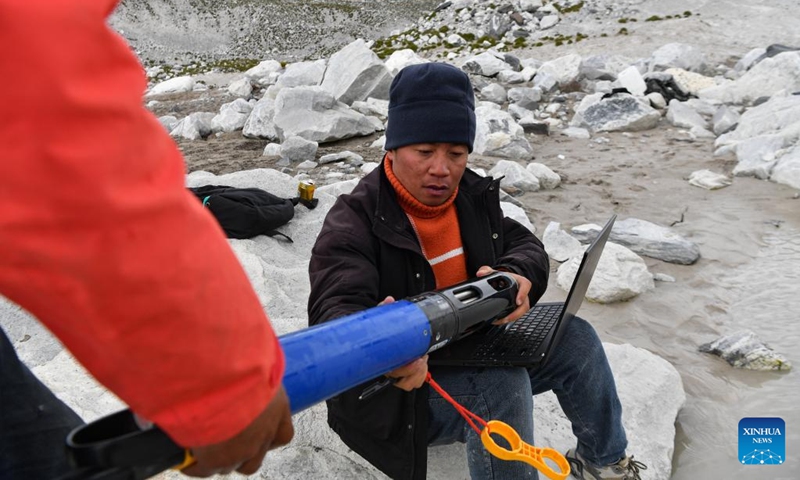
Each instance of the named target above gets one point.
<point>100,240</point>
<point>438,232</point>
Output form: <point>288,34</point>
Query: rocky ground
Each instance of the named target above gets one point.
<point>231,152</point>
<point>622,170</point>
<point>724,31</point>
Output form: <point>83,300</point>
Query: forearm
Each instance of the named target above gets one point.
<point>102,242</point>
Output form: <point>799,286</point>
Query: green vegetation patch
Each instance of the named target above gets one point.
<point>386,46</point>
<point>657,18</point>
<point>165,72</point>
<point>236,64</point>
<point>484,42</point>
<point>571,9</point>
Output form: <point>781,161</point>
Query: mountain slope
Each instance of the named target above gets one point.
<point>185,30</point>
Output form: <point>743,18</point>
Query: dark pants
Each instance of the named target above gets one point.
<point>33,422</point>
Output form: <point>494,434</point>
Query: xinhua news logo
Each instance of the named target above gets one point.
<point>762,441</point>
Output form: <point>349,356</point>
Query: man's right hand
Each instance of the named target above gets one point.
<point>245,452</point>
<point>411,375</point>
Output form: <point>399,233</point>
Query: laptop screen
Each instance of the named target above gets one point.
<point>583,277</point>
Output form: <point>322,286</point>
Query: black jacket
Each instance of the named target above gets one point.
<point>367,250</point>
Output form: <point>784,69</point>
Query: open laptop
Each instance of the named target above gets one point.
<point>528,341</point>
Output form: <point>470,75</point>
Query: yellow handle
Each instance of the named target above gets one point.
<point>523,452</point>
<point>188,459</point>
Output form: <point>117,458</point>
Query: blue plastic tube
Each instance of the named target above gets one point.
<point>327,359</point>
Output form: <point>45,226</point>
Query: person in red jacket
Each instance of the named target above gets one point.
<point>102,243</point>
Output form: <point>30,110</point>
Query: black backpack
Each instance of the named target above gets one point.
<point>246,212</point>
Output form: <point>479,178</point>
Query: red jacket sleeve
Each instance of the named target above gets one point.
<point>103,244</point>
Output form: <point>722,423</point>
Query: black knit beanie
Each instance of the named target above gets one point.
<point>430,103</point>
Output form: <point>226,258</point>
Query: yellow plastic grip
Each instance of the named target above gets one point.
<point>523,452</point>
<point>188,459</point>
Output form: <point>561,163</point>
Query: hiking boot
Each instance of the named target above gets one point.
<point>625,469</point>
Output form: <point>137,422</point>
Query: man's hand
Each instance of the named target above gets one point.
<point>245,452</point>
<point>523,302</point>
<point>411,375</point>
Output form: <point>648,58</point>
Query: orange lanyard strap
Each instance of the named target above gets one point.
<point>519,450</point>
<point>468,416</point>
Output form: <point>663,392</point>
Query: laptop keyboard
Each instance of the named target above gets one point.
<point>523,336</point>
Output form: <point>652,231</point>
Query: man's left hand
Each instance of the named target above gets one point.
<point>523,302</point>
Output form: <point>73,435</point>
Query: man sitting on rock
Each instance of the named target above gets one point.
<point>423,221</point>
